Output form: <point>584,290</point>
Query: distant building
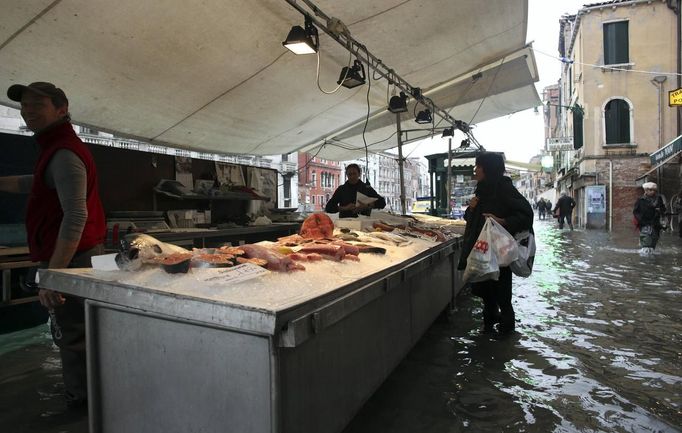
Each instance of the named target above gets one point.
<point>384,177</point>
<point>530,179</point>
<point>317,180</point>
<point>613,106</point>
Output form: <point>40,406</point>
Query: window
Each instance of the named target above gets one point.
<point>617,121</point>
<point>616,49</point>
<point>577,127</point>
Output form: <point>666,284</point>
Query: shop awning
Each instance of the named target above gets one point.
<point>213,76</point>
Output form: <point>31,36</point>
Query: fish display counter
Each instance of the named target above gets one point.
<point>245,348</point>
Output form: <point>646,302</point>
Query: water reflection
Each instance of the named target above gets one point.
<point>597,349</point>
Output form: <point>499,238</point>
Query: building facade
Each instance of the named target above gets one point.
<point>317,180</point>
<point>384,177</point>
<point>612,105</point>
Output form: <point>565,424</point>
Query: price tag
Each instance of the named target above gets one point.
<point>236,274</point>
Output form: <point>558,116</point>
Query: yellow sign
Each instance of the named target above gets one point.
<point>675,98</point>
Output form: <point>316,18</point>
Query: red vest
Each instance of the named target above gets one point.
<point>44,212</point>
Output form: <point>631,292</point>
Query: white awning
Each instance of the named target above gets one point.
<point>213,76</point>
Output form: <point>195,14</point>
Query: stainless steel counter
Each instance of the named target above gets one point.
<point>290,353</point>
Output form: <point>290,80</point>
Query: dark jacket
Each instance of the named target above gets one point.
<point>565,204</point>
<point>502,200</point>
<point>648,211</point>
<point>346,194</point>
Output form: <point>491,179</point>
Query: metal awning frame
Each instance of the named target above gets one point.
<point>375,64</point>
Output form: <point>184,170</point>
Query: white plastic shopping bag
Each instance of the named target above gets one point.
<point>482,262</point>
<point>523,266</point>
<point>503,244</point>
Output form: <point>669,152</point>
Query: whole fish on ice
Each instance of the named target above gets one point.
<point>137,249</point>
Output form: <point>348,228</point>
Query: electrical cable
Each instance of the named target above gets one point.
<point>364,129</point>
<point>350,62</point>
<point>612,68</point>
<point>312,157</point>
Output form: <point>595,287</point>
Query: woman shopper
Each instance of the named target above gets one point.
<point>648,211</point>
<point>497,198</point>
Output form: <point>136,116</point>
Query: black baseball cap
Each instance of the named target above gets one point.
<point>16,91</point>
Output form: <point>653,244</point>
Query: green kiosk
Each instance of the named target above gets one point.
<point>461,176</point>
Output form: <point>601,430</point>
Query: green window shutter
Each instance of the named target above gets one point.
<point>616,43</point>
<point>577,128</point>
<point>617,122</point>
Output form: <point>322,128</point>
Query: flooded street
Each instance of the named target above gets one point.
<point>598,348</point>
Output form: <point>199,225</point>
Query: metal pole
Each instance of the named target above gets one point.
<point>400,165</point>
<point>432,182</point>
<point>610,195</point>
<point>449,188</point>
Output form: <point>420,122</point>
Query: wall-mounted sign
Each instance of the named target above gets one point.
<point>556,144</point>
<point>668,151</point>
<point>595,200</point>
<point>675,98</point>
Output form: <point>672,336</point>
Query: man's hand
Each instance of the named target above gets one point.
<point>473,202</point>
<point>50,299</point>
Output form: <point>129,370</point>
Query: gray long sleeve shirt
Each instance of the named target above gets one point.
<point>67,174</point>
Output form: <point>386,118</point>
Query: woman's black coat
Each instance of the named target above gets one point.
<point>648,211</point>
<point>501,199</point>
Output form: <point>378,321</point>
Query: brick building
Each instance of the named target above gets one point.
<point>317,180</point>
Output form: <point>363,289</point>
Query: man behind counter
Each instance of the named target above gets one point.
<point>64,218</point>
<point>345,201</point>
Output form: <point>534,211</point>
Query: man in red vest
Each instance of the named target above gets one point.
<point>65,220</point>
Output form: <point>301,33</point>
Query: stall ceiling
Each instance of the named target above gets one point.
<point>213,75</point>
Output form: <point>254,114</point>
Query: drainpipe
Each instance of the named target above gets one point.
<point>674,5</point>
<point>658,81</point>
<point>610,195</point>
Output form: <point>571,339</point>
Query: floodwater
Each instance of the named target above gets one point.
<point>598,348</point>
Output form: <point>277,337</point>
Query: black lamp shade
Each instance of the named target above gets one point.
<point>424,117</point>
<point>300,40</point>
<point>398,104</point>
<point>352,76</point>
